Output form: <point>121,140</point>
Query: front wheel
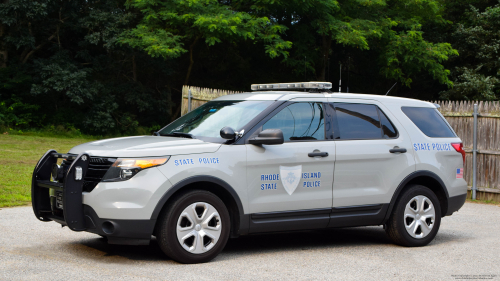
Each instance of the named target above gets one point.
<point>416,217</point>
<point>194,228</point>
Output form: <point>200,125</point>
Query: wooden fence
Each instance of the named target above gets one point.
<point>200,96</point>
<point>459,115</point>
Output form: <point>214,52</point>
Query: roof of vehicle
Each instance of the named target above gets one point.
<point>289,95</point>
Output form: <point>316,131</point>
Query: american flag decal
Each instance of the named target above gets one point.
<point>460,173</point>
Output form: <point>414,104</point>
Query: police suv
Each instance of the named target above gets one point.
<point>291,156</point>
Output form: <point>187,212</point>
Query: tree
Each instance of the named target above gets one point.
<point>167,27</point>
<point>117,66</point>
<point>390,30</point>
<point>63,57</point>
<point>25,26</point>
<point>477,75</point>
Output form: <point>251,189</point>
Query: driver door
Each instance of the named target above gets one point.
<point>290,185</point>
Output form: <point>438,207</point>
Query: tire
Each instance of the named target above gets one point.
<point>194,228</point>
<point>410,224</point>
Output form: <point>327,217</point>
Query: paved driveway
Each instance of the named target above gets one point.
<point>468,244</point>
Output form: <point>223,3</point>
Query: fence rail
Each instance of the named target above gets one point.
<point>458,108</point>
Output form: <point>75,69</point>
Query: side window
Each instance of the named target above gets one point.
<point>299,121</point>
<point>362,121</point>
<point>429,121</point>
<point>358,121</point>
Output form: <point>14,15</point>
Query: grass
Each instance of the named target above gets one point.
<point>18,157</point>
<point>479,201</point>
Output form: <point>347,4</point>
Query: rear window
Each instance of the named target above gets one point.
<point>429,121</point>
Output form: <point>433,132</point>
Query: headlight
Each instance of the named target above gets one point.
<point>125,168</point>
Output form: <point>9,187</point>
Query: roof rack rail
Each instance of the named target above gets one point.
<point>312,87</point>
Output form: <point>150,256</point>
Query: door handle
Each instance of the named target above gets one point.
<point>321,154</point>
<point>397,149</point>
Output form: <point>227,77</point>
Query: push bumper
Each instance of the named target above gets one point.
<point>44,205</point>
<point>74,214</point>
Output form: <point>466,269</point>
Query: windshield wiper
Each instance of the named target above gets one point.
<point>180,134</point>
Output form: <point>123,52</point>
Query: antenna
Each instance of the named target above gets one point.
<point>305,69</point>
<point>391,88</point>
<point>328,69</point>
<point>348,68</point>
<point>325,70</point>
<point>340,81</point>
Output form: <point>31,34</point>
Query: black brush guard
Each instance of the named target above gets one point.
<point>72,214</point>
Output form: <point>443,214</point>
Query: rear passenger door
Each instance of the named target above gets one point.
<point>368,167</point>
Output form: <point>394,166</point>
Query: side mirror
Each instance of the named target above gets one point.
<point>268,136</point>
<point>227,133</point>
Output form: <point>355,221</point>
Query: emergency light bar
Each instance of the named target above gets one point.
<point>292,86</point>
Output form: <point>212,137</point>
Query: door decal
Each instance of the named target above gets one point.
<point>290,177</point>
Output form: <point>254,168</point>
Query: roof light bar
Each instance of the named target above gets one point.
<point>292,86</point>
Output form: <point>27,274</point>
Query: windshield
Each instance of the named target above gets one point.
<point>208,119</point>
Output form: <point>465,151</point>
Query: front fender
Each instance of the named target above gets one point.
<point>242,228</point>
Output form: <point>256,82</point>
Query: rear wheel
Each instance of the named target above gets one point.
<point>194,228</point>
<point>416,217</point>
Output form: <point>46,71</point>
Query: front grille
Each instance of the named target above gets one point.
<point>96,171</point>
<point>98,166</point>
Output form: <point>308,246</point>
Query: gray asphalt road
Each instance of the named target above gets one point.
<point>468,244</point>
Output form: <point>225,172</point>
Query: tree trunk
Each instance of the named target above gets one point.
<point>191,61</point>
<point>4,54</point>
<point>4,57</point>
<point>25,59</point>
<point>325,49</point>
<point>134,69</point>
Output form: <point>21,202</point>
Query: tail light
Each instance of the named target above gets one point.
<point>459,147</point>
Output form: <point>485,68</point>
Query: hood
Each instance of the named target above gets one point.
<point>145,146</point>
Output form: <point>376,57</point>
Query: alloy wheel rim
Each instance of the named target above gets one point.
<point>199,228</point>
<point>419,217</point>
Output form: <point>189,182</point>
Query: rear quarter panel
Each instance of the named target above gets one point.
<point>433,154</point>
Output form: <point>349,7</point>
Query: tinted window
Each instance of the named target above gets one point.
<point>358,121</point>
<point>388,129</point>
<point>429,121</point>
<point>299,121</point>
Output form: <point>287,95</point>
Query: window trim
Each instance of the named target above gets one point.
<point>335,134</point>
<point>335,121</point>
<point>390,122</point>
<point>442,118</point>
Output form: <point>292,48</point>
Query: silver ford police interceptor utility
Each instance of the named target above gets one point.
<point>290,156</point>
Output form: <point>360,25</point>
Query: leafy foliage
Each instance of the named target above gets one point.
<point>390,28</point>
<point>478,77</point>
<point>167,25</point>
<point>408,54</point>
<point>74,69</point>
<point>113,67</point>
<point>14,111</point>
